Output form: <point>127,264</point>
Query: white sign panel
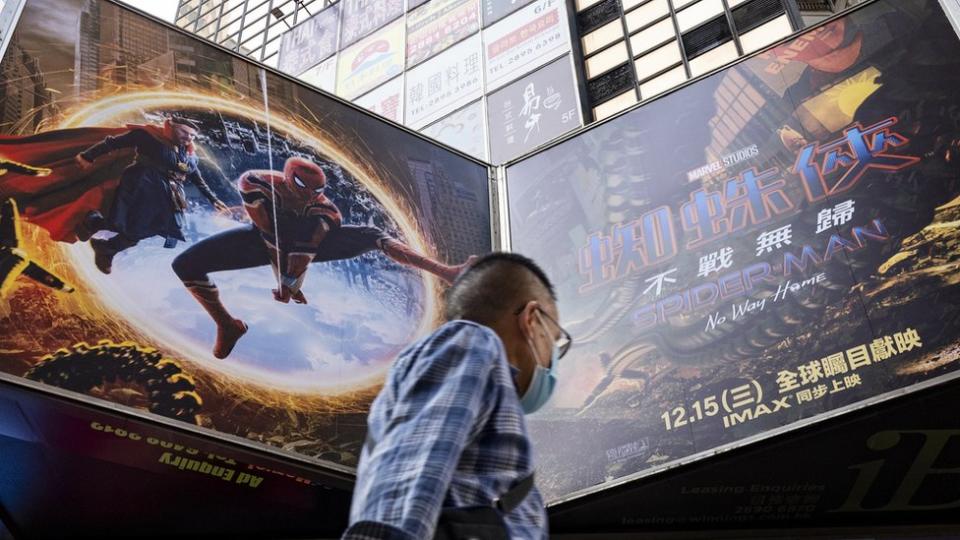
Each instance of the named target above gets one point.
<point>310,41</point>
<point>371,61</point>
<point>438,25</point>
<point>494,10</point>
<point>322,75</point>
<point>9,14</point>
<point>444,83</point>
<point>537,108</point>
<point>525,41</point>
<point>361,17</point>
<point>463,130</point>
<point>386,100</point>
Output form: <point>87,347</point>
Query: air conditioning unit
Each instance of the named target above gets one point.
<point>821,5</point>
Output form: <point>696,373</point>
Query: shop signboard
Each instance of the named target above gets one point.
<point>322,75</point>
<point>442,84</point>
<point>463,130</point>
<point>437,25</point>
<point>494,10</point>
<point>386,100</point>
<point>370,61</point>
<point>525,41</point>
<point>533,110</point>
<point>310,42</point>
<point>361,17</point>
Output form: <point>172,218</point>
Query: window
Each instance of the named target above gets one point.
<point>615,105</point>
<point>646,14</point>
<point>602,37</point>
<point>713,59</point>
<point>698,13</point>
<point>658,60</point>
<point>765,34</point>
<point>662,83</point>
<point>647,39</point>
<point>606,59</point>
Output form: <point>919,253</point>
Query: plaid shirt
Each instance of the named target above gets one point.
<point>447,431</point>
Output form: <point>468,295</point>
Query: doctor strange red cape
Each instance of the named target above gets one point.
<point>59,202</point>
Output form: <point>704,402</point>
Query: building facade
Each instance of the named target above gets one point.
<point>250,27</point>
<point>497,78</point>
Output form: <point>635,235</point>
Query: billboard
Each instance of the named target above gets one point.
<point>141,261</point>
<point>462,130</point>
<point>66,440</point>
<point>536,109</point>
<point>770,244</point>
<point>309,42</point>
<point>525,40</point>
<point>494,10</point>
<point>386,100</point>
<point>875,467</point>
<point>361,17</point>
<point>438,25</point>
<point>444,83</point>
<point>370,61</point>
<point>322,75</point>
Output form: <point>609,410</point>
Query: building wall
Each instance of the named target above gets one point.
<point>636,49</point>
<point>482,75</point>
<point>433,66</point>
<point>245,26</point>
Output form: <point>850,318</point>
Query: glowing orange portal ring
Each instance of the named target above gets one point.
<point>104,112</point>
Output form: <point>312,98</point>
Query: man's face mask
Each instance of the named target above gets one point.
<point>544,380</point>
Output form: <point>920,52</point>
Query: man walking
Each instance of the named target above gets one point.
<point>447,452</point>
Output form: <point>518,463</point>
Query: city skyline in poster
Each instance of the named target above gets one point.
<point>769,244</point>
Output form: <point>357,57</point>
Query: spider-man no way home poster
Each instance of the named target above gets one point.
<point>189,234</point>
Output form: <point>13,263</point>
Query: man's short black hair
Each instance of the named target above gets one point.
<point>184,121</point>
<point>496,284</point>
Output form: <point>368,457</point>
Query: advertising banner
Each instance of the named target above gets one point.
<point>361,17</point>
<point>462,130</point>
<point>47,441</point>
<point>445,83</point>
<point>370,61</point>
<point>532,111</point>
<point>525,40</point>
<point>438,25</point>
<point>387,100</point>
<point>738,256</point>
<point>142,262</point>
<point>310,41</point>
<point>322,75</point>
<point>494,10</point>
<point>879,466</point>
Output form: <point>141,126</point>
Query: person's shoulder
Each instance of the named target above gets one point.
<point>456,343</point>
<point>468,334</point>
<point>467,328</point>
<point>140,133</point>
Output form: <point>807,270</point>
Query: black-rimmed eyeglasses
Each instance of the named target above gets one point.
<point>564,342</point>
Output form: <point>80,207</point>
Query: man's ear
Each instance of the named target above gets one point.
<point>526,319</point>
